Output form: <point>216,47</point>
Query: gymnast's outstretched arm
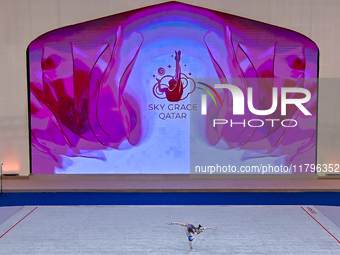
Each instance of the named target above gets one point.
<point>208,228</point>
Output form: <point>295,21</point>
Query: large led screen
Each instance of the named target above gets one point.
<point>172,89</point>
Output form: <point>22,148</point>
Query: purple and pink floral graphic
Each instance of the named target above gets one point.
<point>91,84</point>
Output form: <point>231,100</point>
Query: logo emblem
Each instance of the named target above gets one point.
<point>176,87</point>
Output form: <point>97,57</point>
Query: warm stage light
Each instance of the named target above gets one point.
<point>10,167</point>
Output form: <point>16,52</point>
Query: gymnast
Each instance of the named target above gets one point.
<point>191,231</point>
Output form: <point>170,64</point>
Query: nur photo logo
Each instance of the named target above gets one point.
<point>238,105</point>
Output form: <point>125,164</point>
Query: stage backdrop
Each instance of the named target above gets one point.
<point>172,89</point>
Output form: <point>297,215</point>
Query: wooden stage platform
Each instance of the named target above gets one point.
<point>170,183</point>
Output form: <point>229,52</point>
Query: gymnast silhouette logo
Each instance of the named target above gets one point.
<point>176,87</point>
